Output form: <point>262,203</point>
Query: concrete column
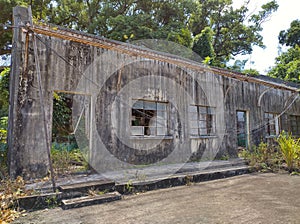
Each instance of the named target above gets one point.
<point>27,155</point>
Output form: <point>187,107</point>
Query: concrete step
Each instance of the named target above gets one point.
<point>212,165</point>
<point>97,191</point>
<point>80,189</point>
<point>90,200</point>
<point>180,179</point>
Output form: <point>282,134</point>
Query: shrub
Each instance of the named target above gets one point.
<point>67,160</point>
<point>289,148</point>
<point>263,157</point>
<point>3,147</point>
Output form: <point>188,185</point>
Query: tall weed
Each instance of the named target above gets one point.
<point>290,149</point>
<point>263,157</point>
<point>67,161</point>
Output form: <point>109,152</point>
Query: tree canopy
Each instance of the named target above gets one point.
<point>235,31</point>
<point>287,65</point>
<point>213,28</point>
<point>291,36</point>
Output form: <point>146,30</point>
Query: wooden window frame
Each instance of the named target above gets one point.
<point>202,120</point>
<point>149,118</point>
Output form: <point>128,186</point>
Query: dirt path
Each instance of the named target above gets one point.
<point>253,198</point>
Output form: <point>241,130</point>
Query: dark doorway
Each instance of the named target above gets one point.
<point>242,128</point>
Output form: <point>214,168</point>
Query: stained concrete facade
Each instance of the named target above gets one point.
<point>113,83</point>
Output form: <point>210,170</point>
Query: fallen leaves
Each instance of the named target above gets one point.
<point>9,193</point>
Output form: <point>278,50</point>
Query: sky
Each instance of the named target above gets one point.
<point>263,59</point>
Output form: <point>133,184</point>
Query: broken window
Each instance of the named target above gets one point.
<point>295,125</point>
<point>149,118</point>
<point>271,124</point>
<point>202,120</point>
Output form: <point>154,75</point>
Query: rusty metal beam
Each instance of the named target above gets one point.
<point>132,50</point>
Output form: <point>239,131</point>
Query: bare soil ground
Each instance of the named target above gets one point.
<point>251,198</point>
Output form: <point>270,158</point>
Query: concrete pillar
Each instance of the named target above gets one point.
<point>27,155</point>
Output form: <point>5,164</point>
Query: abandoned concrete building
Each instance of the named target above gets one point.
<point>133,105</point>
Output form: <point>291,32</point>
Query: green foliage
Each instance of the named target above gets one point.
<point>6,18</point>
<point>291,36</point>
<point>182,37</point>
<point>285,155</point>
<point>3,129</point>
<point>239,65</point>
<point>4,88</point>
<point>150,20</point>
<point>290,149</point>
<point>263,157</point>
<point>251,72</point>
<point>287,65</point>
<point>203,43</point>
<point>41,9</point>
<point>235,31</point>
<point>129,188</point>
<point>52,201</point>
<point>3,147</point>
<point>4,92</point>
<point>62,116</point>
<point>67,160</point>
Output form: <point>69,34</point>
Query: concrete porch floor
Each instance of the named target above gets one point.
<point>251,198</point>
<point>143,173</point>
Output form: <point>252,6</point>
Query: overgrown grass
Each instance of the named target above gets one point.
<point>66,160</point>
<point>284,156</point>
<point>263,157</point>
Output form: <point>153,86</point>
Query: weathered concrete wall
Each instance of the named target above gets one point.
<point>112,81</point>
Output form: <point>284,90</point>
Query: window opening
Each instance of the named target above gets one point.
<point>149,118</point>
<point>271,124</point>
<point>242,128</point>
<point>202,120</point>
<point>295,125</point>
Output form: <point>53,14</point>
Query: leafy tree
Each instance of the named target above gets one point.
<point>287,65</point>
<point>203,43</point>
<point>251,72</point>
<point>232,31</point>
<point>153,20</point>
<point>5,33</point>
<point>239,65</point>
<point>113,19</point>
<point>40,10</point>
<point>235,31</point>
<point>291,36</point>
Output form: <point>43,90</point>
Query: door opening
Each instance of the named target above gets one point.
<point>242,129</point>
<point>70,132</point>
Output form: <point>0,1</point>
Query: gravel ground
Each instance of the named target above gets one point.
<point>251,198</point>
